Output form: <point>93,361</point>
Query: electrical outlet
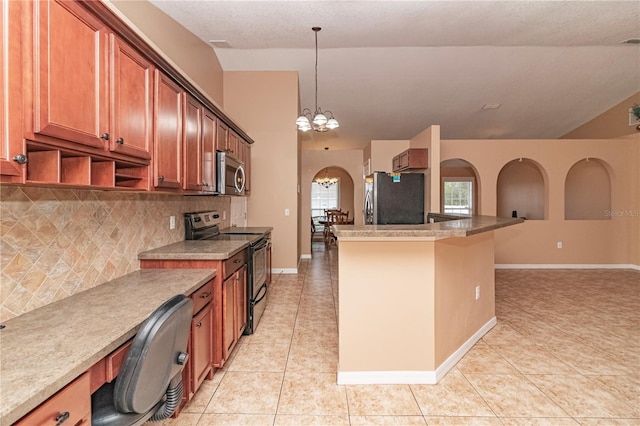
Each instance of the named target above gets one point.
<point>286,212</point>
<point>224,214</point>
<point>172,222</point>
<point>477,292</point>
<point>559,244</point>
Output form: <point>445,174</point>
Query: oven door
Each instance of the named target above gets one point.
<point>259,266</point>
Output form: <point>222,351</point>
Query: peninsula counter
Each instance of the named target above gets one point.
<point>413,299</point>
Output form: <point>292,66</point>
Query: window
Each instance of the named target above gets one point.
<point>323,198</point>
<point>458,195</point>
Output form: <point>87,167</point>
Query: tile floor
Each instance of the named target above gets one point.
<point>565,351</point>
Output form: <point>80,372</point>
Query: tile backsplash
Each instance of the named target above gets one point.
<point>55,242</point>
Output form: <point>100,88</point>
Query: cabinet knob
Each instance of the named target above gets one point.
<point>20,159</point>
<point>120,141</point>
<point>62,417</point>
<point>104,136</point>
<point>199,324</point>
<point>161,178</point>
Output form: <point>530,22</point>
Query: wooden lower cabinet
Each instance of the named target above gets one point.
<point>70,406</point>
<point>234,308</point>
<point>201,353</point>
<point>222,319</point>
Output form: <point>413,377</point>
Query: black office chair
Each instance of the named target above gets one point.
<point>149,385</point>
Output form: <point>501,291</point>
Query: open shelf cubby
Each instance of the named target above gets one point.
<point>68,167</point>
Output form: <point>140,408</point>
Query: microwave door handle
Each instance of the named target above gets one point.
<point>235,183</point>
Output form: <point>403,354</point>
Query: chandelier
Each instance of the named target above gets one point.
<point>326,181</point>
<point>317,120</point>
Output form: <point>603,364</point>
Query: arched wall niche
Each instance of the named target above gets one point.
<point>587,191</point>
<point>458,168</point>
<point>523,187</point>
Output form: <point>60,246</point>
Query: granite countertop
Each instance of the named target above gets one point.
<point>428,231</point>
<point>47,348</point>
<point>198,250</point>
<point>247,230</point>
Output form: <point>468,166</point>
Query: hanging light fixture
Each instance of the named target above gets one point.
<point>326,181</point>
<point>317,121</point>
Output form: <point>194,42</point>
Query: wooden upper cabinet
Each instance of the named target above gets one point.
<point>192,143</point>
<point>233,144</point>
<point>10,100</point>
<point>131,100</point>
<point>222,136</point>
<point>413,158</point>
<point>69,87</point>
<point>209,125</point>
<point>167,134</point>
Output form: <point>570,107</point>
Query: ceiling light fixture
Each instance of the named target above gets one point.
<point>326,181</point>
<point>317,121</point>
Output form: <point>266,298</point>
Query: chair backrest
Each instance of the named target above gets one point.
<point>152,360</point>
<point>342,217</point>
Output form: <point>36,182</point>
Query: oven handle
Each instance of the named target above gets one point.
<point>260,245</point>
<point>259,298</point>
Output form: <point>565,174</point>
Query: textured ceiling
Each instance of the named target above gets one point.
<point>389,69</point>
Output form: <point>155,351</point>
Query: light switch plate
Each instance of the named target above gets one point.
<point>172,222</point>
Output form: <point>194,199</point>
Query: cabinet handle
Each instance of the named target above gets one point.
<point>237,260</point>
<point>199,324</point>
<point>62,417</point>
<point>120,141</point>
<point>205,295</point>
<point>20,159</point>
<point>104,136</point>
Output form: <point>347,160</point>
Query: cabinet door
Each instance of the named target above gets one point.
<point>241,301</point>
<point>232,144</point>
<point>131,100</point>
<point>167,135</point>
<point>192,144</point>
<point>209,124</point>
<point>228,316</point>
<point>202,347</point>
<point>70,98</point>
<point>10,79</point>
<point>222,135</point>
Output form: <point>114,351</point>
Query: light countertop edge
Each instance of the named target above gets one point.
<point>428,231</point>
<point>43,350</point>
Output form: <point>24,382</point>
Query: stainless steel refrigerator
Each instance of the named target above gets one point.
<point>394,198</point>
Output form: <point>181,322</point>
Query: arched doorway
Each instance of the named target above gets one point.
<point>335,195</point>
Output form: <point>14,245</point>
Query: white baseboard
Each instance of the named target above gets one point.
<point>428,377</point>
<point>305,256</point>
<point>566,266</point>
<point>453,359</point>
<point>284,270</point>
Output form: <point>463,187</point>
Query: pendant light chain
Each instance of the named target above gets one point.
<point>318,120</point>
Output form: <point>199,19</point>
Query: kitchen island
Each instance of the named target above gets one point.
<point>413,299</point>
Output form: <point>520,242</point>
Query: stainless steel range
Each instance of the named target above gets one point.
<point>204,226</point>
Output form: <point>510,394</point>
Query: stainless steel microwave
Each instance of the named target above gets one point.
<point>231,175</point>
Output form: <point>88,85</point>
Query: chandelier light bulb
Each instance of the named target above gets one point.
<point>320,119</point>
<point>303,121</point>
<point>332,124</point>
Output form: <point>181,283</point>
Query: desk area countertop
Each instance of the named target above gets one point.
<point>45,349</point>
<point>446,229</point>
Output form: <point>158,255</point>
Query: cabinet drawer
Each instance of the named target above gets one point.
<point>115,360</point>
<point>73,402</point>
<point>202,296</point>
<point>234,263</point>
